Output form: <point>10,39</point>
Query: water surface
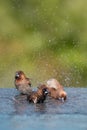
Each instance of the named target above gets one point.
<point>17,114</point>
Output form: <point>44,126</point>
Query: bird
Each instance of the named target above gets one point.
<point>56,90</point>
<point>22,83</point>
<point>38,96</point>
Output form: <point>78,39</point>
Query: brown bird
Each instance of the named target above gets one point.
<point>56,89</point>
<point>39,96</point>
<point>22,83</point>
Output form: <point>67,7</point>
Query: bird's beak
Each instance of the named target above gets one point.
<point>46,92</point>
<point>17,76</point>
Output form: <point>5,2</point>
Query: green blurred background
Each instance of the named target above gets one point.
<point>46,39</point>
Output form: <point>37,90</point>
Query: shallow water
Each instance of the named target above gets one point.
<point>17,114</point>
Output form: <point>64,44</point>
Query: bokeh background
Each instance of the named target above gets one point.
<point>46,39</point>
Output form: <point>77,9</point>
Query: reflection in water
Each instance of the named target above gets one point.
<point>40,108</point>
<point>20,108</point>
<point>49,106</point>
<point>22,105</point>
<point>52,114</point>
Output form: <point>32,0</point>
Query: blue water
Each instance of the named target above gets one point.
<point>17,114</point>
